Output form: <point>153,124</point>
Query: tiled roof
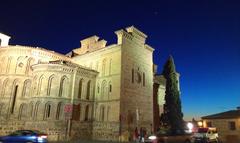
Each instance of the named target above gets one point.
<point>224,115</point>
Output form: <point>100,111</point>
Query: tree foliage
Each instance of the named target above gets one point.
<point>172,117</point>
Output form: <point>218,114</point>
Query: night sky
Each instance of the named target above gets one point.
<point>202,35</point>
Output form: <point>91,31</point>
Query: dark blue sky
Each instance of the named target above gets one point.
<point>202,35</point>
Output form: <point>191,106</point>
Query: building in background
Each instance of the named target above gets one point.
<point>227,124</point>
<point>110,86</point>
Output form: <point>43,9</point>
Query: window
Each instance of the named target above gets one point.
<point>80,88</point>
<point>63,87</point>
<point>88,90</point>
<point>209,124</point>
<point>86,113</point>
<point>31,109</point>
<point>47,111</point>
<point>14,98</point>
<point>232,125</point>
<point>26,88</point>
<point>98,89</point>
<point>50,81</point>
<point>132,75</point>
<point>110,87</point>
<point>143,79</point>
<point>36,110</point>
<point>58,114</point>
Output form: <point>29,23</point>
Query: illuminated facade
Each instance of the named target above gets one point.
<point>111,88</point>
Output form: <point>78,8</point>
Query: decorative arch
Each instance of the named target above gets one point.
<point>26,88</point>
<point>22,112</point>
<point>40,84</point>
<point>103,89</point>
<point>88,90</point>
<point>30,62</point>
<point>36,109</point>
<point>50,84</point>
<point>20,64</point>
<point>47,111</point>
<point>80,88</point>
<point>31,110</point>
<point>5,86</point>
<point>102,113</point>
<point>59,111</point>
<point>63,86</point>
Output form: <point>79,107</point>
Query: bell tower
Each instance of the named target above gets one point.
<point>4,39</point>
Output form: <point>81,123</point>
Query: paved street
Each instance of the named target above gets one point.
<point>89,141</point>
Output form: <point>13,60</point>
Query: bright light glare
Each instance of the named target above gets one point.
<point>200,124</point>
<point>152,137</point>
<point>190,126</point>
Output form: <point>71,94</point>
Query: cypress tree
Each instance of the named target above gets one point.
<point>172,117</point>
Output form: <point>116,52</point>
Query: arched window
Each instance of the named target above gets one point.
<point>5,87</point>
<point>59,110</point>
<point>110,87</point>
<point>86,113</point>
<point>22,112</point>
<point>26,88</point>
<point>47,111</point>
<point>102,112</point>
<point>104,89</point>
<point>143,79</point>
<point>80,88</point>
<point>98,88</point>
<point>132,75</point>
<point>50,84</point>
<point>36,110</point>
<point>31,111</point>
<point>104,67</point>
<point>63,87</point>
<point>40,85</point>
<point>30,62</point>
<point>14,95</point>
<point>88,90</point>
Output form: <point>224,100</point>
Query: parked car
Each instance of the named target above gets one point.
<point>206,135</point>
<point>25,136</point>
<point>168,138</point>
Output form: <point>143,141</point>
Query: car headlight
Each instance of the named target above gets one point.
<point>152,137</point>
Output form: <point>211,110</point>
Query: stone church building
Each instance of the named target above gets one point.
<point>109,86</point>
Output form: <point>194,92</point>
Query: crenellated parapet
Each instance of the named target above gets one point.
<point>90,44</point>
<point>131,33</point>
